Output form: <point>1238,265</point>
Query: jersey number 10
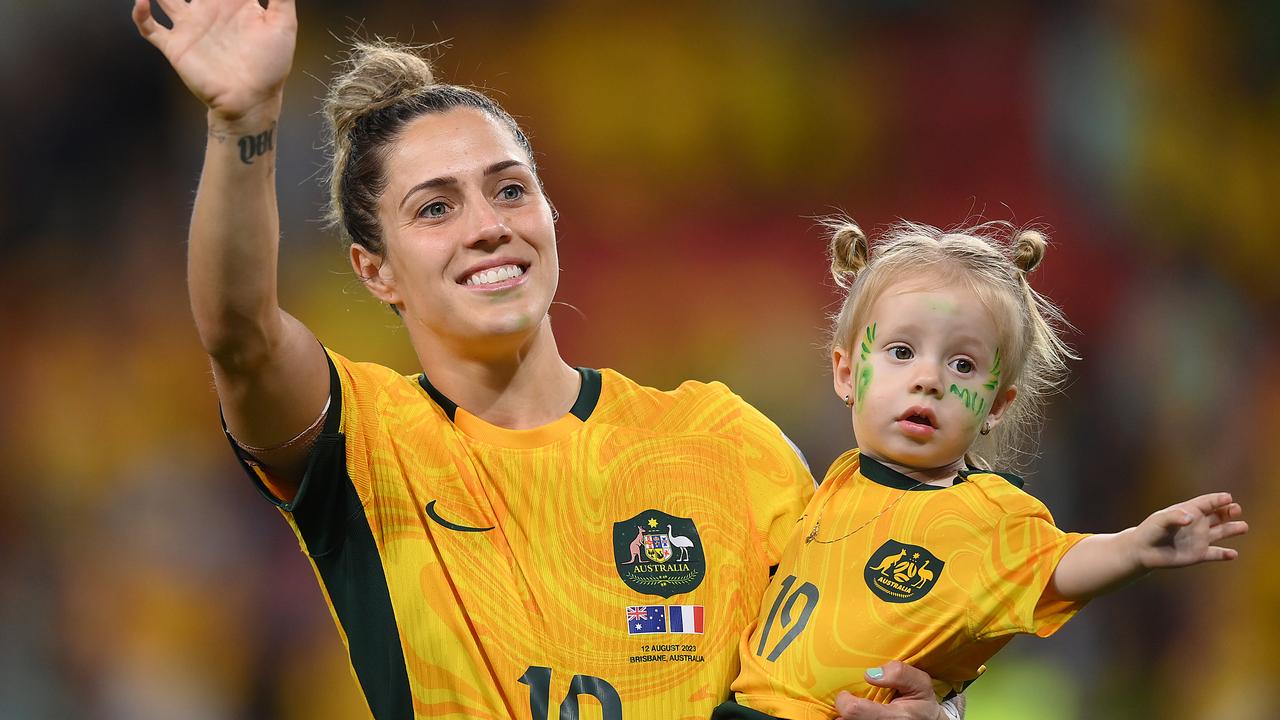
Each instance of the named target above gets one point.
<point>539,681</point>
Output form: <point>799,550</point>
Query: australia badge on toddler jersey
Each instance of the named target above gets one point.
<point>659,554</point>
<point>901,573</point>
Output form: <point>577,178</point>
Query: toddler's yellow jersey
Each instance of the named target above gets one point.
<point>602,566</point>
<point>938,577</point>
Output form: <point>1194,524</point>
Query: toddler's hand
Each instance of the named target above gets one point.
<point>1186,533</point>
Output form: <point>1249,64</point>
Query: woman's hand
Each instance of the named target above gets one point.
<point>914,700</point>
<point>233,55</point>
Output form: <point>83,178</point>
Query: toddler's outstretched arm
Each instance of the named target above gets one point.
<point>1178,536</point>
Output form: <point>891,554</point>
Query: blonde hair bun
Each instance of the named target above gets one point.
<point>1028,249</point>
<point>849,250</point>
<point>373,76</point>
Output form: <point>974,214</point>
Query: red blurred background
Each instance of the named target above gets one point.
<point>688,151</point>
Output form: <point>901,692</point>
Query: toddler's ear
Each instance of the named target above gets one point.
<point>1002,402</point>
<point>842,372</point>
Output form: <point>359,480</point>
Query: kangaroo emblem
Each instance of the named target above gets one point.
<point>903,572</point>
<point>889,561</point>
<point>635,547</point>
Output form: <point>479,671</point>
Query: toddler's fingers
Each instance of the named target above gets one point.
<point>1228,530</point>
<point>1215,553</point>
<point>1230,511</point>
<point>1210,502</point>
<point>1174,517</point>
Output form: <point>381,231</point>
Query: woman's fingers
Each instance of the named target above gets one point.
<point>146,22</point>
<point>172,8</point>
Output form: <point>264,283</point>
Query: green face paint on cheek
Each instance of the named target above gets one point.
<point>864,382</point>
<point>862,371</point>
<point>974,402</point>
<point>994,380</point>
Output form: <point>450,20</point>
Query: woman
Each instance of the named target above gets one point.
<point>503,530</point>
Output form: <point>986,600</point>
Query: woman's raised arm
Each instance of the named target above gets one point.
<point>271,375</point>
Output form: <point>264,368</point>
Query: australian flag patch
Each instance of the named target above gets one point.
<point>646,619</point>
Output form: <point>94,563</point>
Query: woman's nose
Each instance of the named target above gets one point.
<point>487,226</point>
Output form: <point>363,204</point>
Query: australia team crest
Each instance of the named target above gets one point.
<point>901,573</point>
<point>659,554</point>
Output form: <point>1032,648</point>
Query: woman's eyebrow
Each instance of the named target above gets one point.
<point>450,180</point>
<point>503,165</point>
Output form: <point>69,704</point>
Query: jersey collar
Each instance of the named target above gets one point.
<point>881,474</point>
<point>583,407</point>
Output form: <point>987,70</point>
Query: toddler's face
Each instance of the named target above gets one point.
<point>923,373</point>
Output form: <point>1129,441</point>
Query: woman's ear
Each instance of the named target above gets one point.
<point>375,273</point>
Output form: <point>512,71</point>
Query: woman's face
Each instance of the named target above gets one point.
<point>470,241</point>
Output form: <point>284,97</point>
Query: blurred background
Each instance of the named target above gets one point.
<point>688,151</point>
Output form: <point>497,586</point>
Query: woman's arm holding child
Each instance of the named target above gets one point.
<point>1178,536</point>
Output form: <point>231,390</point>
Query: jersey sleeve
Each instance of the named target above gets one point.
<point>1011,588</point>
<point>329,492</point>
<point>779,484</point>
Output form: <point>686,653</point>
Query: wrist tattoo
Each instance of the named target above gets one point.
<point>252,146</point>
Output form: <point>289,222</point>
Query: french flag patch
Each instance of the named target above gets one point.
<point>646,619</point>
<point>685,619</point>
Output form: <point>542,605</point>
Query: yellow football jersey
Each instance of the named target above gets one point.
<point>601,566</point>
<point>938,577</point>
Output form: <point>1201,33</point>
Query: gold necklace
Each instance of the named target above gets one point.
<point>813,534</point>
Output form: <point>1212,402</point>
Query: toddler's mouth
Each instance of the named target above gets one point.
<point>919,416</point>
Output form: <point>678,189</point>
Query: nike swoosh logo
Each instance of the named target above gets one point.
<point>431,513</point>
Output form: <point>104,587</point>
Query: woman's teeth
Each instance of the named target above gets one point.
<point>495,275</point>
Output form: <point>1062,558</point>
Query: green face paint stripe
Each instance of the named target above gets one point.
<point>974,402</point>
<point>862,370</point>
<point>864,382</point>
<point>994,381</point>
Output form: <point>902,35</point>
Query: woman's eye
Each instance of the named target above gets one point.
<point>963,366</point>
<point>511,192</point>
<point>901,352</point>
<point>434,210</point>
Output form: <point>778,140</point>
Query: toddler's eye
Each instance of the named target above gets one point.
<point>963,366</point>
<point>511,192</point>
<point>901,352</point>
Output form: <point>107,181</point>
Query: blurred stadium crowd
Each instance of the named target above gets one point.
<point>688,150</point>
